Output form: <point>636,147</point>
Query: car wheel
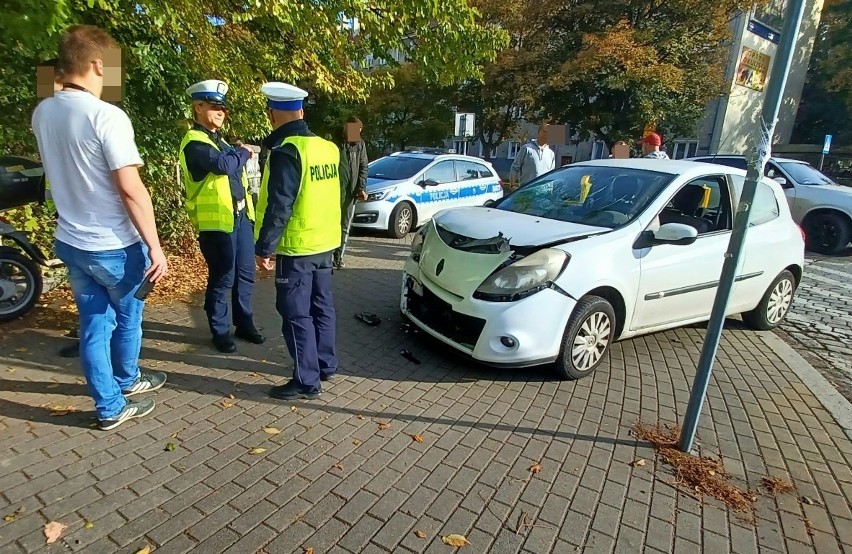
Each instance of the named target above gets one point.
<point>401,220</point>
<point>20,284</point>
<point>774,305</point>
<point>827,233</point>
<point>588,336</point>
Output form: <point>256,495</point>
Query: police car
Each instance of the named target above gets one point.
<point>405,189</point>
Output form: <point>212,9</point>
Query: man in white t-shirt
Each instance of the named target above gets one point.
<point>533,159</point>
<point>106,233</point>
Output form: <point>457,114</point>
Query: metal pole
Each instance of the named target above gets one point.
<point>821,160</point>
<point>757,162</point>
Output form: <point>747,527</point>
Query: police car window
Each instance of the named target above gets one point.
<point>394,168</point>
<point>441,172</point>
<point>484,172</point>
<point>469,171</point>
<point>764,208</point>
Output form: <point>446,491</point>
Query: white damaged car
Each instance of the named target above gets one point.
<point>595,252</point>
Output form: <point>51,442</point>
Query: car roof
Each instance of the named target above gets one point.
<point>673,167</point>
<point>741,157</point>
<point>432,156</point>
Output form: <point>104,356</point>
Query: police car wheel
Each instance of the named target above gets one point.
<point>401,220</point>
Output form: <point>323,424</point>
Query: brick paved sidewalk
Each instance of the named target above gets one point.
<point>334,481</point>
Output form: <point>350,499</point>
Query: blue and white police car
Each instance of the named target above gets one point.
<point>405,189</point>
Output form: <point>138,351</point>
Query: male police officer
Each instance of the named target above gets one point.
<point>299,220</point>
<point>222,212</point>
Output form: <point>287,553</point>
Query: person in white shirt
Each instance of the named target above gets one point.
<point>106,234</point>
<point>651,144</point>
<point>533,159</point>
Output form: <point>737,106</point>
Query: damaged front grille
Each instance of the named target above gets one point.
<point>494,245</point>
<point>439,316</point>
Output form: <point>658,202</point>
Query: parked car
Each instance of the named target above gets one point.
<point>596,252</point>
<point>821,206</point>
<point>405,189</point>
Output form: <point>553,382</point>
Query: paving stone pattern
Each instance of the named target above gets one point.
<point>334,481</point>
<point>820,323</point>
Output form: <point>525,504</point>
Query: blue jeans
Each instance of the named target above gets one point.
<point>103,284</point>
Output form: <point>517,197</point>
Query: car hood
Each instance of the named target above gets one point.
<point>374,185</point>
<point>483,240</point>
<point>519,229</point>
<point>828,194</point>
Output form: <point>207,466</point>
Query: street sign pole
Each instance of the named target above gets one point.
<point>757,162</point>
<point>826,146</point>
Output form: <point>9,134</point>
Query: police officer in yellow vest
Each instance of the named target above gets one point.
<point>299,220</point>
<point>222,214</point>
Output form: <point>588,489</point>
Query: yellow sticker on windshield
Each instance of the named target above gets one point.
<point>585,189</point>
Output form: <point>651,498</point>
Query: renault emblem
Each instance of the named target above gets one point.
<point>440,268</point>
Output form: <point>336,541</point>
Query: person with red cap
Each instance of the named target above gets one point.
<point>651,147</point>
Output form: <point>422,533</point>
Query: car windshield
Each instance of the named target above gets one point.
<point>396,168</point>
<point>803,174</point>
<point>599,196</point>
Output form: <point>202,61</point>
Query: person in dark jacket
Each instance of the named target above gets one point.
<point>353,180</point>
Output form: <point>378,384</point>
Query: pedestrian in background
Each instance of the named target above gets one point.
<point>353,180</point>
<point>299,221</point>
<point>533,159</point>
<point>106,233</point>
<point>651,147</point>
<point>222,212</point>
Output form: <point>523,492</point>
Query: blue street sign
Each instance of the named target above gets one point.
<point>827,144</point>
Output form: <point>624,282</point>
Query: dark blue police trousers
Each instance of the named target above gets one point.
<point>231,269</point>
<point>306,304</point>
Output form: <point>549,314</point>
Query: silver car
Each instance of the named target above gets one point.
<point>822,207</point>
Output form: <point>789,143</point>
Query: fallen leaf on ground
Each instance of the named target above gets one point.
<point>173,436</point>
<point>232,397</point>
<point>308,550</point>
<point>809,501</point>
<point>338,467</point>
<point>776,485</point>
<point>417,438</point>
<point>639,463</point>
<point>146,550</point>
<point>53,386</point>
<point>535,469</point>
<point>89,525</point>
<point>20,350</point>
<point>227,404</point>
<point>256,451</point>
<point>253,374</point>
<point>13,516</point>
<point>170,447</point>
<point>455,540</point>
<point>384,425</point>
<point>271,430</point>
<point>420,534</point>
<point>359,416</point>
<point>356,442</point>
<point>294,409</point>
<point>52,531</point>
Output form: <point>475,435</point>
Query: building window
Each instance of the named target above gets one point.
<point>685,149</point>
<point>514,147</point>
<point>482,151</point>
<point>599,150</point>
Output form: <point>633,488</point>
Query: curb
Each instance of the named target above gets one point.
<point>828,396</point>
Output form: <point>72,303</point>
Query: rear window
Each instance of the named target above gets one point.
<point>764,208</point>
<point>469,171</point>
<point>396,168</point>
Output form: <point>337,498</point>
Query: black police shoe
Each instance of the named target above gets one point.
<point>225,344</point>
<point>250,335</point>
<point>293,391</point>
<point>70,351</point>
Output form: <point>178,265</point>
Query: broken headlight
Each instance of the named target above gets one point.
<point>525,277</point>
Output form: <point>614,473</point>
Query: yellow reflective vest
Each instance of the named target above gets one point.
<point>314,227</point>
<point>209,202</point>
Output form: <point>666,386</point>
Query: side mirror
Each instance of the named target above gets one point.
<point>676,234</point>
<point>781,181</point>
<point>490,203</point>
<point>429,183</point>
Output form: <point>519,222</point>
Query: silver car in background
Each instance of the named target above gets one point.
<point>822,207</point>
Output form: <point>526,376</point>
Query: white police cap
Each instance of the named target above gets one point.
<point>284,97</point>
<point>211,91</point>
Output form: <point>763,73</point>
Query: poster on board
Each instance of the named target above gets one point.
<point>753,68</point>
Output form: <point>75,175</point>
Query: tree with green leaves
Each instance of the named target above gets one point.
<point>618,66</point>
<point>826,105</point>
<point>170,44</point>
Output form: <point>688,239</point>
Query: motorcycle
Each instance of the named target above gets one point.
<point>21,183</point>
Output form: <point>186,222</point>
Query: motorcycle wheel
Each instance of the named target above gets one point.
<point>20,284</point>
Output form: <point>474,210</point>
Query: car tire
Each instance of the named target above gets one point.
<point>775,304</point>
<point>401,220</point>
<point>827,233</point>
<point>32,277</point>
<point>588,337</point>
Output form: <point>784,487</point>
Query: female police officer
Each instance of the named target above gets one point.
<point>222,214</point>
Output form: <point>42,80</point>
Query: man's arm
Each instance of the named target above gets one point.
<point>137,201</point>
<point>285,176</point>
<point>202,159</point>
<point>362,168</point>
<point>518,164</point>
